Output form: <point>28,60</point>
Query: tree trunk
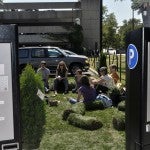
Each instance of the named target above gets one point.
<point>146,17</point>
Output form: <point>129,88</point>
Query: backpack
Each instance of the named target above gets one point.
<point>107,102</point>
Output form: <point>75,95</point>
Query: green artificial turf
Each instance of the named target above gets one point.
<point>59,135</point>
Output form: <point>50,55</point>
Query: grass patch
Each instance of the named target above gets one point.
<point>84,122</point>
<point>119,121</point>
<point>59,135</point>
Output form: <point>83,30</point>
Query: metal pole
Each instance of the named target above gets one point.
<point>101,23</point>
<point>132,19</point>
<point>120,66</point>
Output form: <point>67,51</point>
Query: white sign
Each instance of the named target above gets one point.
<point>40,94</point>
<point>6,98</point>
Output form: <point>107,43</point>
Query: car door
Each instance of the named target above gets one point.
<point>37,55</point>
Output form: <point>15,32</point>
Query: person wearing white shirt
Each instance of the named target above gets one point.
<point>105,82</point>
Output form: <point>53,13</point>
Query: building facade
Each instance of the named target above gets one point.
<point>38,21</point>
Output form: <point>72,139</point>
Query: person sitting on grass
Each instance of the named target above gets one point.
<point>61,76</point>
<point>104,83</point>
<point>78,75</point>
<point>86,91</point>
<point>113,73</point>
<point>45,72</point>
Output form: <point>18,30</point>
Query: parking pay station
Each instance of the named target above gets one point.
<point>138,90</point>
<point>9,89</point>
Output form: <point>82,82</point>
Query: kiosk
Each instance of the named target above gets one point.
<point>9,89</point>
<point>138,90</point>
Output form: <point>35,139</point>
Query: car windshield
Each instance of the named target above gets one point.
<point>52,52</point>
<point>69,52</point>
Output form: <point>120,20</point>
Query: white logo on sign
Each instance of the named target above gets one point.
<point>131,55</point>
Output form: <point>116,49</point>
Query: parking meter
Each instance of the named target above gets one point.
<point>9,89</point>
<point>138,90</point>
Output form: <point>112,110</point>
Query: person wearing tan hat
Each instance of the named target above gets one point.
<point>45,72</point>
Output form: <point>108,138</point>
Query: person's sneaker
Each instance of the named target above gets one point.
<point>46,90</point>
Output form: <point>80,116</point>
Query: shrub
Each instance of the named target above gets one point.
<point>32,108</point>
<point>84,122</point>
<point>119,121</point>
<point>114,95</point>
<point>102,61</point>
<point>121,106</point>
<point>77,108</point>
<point>95,105</point>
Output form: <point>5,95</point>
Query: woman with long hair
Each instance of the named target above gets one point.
<point>61,76</point>
<point>86,91</point>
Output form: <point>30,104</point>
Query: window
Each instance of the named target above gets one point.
<point>52,52</point>
<point>38,53</point>
<point>23,53</point>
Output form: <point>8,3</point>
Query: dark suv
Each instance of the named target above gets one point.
<point>52,56</point>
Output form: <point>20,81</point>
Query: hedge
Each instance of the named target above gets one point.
<point>84,122</point>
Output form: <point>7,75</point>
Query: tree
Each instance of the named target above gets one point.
<point>109,31</point>
<point>127,27</point>
<point>74,37</point>
<point>144,8</point>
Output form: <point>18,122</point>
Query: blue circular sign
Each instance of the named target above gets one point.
<point>132,56</point>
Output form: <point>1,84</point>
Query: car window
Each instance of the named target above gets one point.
<point>52,52</point>
<point>38,53</point>
<point>23,53</point>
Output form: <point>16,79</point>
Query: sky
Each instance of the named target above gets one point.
<point>122,10</point>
